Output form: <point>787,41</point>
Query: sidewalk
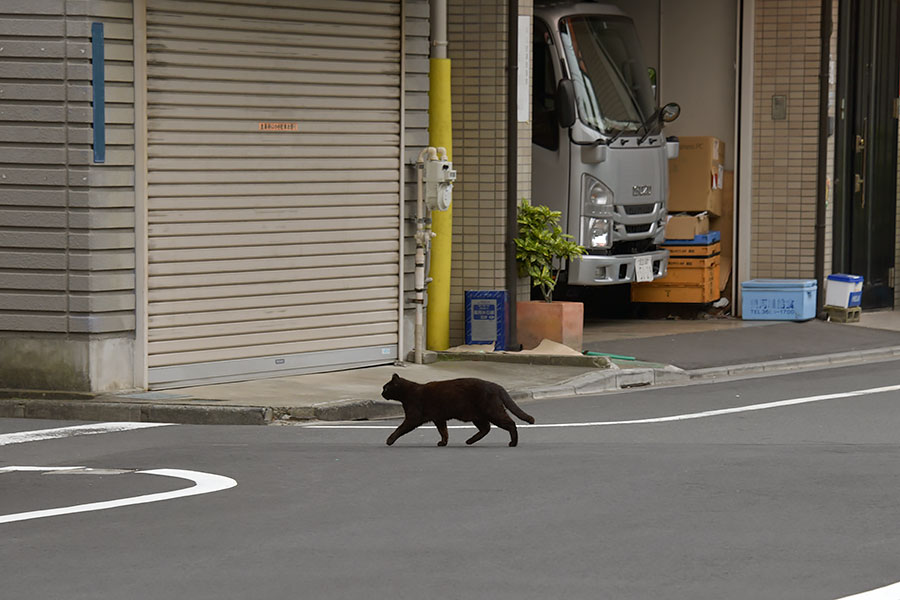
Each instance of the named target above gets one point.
<point>645,353</point>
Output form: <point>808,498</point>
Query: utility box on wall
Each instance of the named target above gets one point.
<point>486,317</point>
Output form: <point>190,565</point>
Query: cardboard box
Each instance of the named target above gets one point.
<point>724,224</point>
<point>686,227</point>
<point>696,177</point>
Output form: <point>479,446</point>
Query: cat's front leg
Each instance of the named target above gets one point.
<point>404,428</point>
<point>442,429</point>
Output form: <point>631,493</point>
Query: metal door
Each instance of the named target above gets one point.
<point>866,151</point>
<point>273,187</point>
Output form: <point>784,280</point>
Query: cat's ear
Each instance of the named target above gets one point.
<point>395,377</point>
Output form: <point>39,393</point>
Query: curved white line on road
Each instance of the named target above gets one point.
<point>890,592</point>
<point>204,483</point>
<point>20,437</point>
<point>668,419</point>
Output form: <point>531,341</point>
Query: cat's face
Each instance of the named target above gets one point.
<point>391,390</point>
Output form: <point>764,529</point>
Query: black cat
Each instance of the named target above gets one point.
<point>466,399</point>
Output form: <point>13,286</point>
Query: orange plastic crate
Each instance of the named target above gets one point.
<point>693,280</point>
<point>693,251</point>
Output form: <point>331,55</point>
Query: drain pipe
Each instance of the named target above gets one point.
<point>423,238</point>
<point>821,163</point>
<point>512,169</point>
<point>440,134</point>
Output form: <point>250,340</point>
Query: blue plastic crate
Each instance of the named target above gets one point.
<point>778,299</point>
<point>703,239</point>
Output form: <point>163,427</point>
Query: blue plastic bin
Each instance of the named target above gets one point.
<point>778,299</point>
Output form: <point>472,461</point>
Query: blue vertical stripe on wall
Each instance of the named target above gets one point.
<point>99,86</point>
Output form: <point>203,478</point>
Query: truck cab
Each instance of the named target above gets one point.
<point>599,155</point>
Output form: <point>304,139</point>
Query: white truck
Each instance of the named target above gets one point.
<point>598,152</point>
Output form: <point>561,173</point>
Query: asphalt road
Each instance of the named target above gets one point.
<point>701,498</point>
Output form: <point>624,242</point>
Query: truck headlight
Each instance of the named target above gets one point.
<point>597,198</point>
<point>597,233</point>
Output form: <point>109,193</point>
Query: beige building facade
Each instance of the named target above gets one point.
<point>252,214</point>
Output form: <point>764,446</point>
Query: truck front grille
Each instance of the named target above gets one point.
<point>639,209</point>
<point>638,228</point>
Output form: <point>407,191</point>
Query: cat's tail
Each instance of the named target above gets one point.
<point>514,408</point>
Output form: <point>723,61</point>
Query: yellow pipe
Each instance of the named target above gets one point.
<point>440,133</point>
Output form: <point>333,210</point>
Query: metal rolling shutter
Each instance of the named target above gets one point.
<point>273,200</point>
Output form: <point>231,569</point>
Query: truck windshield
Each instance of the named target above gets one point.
<point>612,84</point>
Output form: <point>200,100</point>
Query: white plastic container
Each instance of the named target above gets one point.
<point>843,291</point>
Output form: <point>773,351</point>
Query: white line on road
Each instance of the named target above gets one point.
<point>20,437</point>
<point>204,483</point>
<point>684,417</point>
<point>890,592</point>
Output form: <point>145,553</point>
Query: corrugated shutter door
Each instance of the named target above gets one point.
<point>273,201</point>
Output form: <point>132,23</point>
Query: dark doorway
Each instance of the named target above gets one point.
<point>865,183</point>
<point>866,145</point>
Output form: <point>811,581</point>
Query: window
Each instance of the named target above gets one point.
<point>544,125</point>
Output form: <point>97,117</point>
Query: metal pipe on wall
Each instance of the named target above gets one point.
<point>821,162</point>
<point>512,170</point>
<point>440,134</point>
<point>438,20</point>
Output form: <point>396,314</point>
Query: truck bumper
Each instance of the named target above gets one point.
<point>610,270</point>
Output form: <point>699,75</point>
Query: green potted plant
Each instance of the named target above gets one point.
<point>541,251</point>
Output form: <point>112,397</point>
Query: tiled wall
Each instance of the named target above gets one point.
<point>477,32</point>
<point>784,151</point>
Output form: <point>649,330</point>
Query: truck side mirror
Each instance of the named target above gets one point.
<point>669,112</point>
<point>565,103</point>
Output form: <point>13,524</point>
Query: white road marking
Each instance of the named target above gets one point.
<point>668,419</point>
<point>204,483</point>
<point>54,469</point>
<point>20,437</point>
<point>890,592</point>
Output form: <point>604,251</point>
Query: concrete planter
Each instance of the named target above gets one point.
<point>561,322</point>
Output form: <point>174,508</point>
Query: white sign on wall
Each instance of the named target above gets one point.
<point>523,103</point>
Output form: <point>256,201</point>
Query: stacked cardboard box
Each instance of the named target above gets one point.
<point>697,176</point>
<point>700,203</point>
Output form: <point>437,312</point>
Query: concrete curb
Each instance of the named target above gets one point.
<point>351,410</point>
<point>605,381</point>
<point>797,364</point>
<point>100,410</point>
<point>559,360</point>
<point>186,410</point>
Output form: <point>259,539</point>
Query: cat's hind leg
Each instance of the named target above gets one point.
<point>442,429</point>
<point>404,428</point>
<point>510,426</point>
<point>484,426</point>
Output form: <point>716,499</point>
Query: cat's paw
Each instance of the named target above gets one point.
<point>389,442</point>
<point>442,443</point>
